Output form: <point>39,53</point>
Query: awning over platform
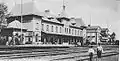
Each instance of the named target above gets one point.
<point>15,24</point>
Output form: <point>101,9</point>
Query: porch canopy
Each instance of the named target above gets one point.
<point>13,26</point>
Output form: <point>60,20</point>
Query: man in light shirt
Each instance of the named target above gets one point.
<point>91,52</point>
<point>99,52</point>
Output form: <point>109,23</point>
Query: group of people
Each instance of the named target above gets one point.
<point>15,39</point>
<point>99,51</point>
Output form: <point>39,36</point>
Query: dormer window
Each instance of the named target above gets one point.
<point>73,22</point>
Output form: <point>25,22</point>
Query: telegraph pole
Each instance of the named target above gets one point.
<point>21,16</point>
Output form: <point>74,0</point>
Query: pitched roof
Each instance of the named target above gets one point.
<point>79,22</point>
<point>105,29</point>
<point>48,14</point>
<point>15,24</point>
<point>51,20</point>
<point>26,8</point>
<point>93,27</point>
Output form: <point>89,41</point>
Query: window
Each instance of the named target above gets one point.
<point>37,26</point>
<point>69,31</point>
<point>78,32</point>
<point>51,28</point>
<point>75,32</point>
<point>65,30</point>
<point>47,28</point>
<point>72,31</point>
<point>60,30</point>
<point>56,29</point>
<point>42,27</point>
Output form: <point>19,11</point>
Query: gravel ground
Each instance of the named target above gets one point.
<point>109,58</point>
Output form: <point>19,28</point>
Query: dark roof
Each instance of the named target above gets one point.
<point>53,22</point>
<point>93,27</point>
<point>79,22</point>
<point>77,27</point>
<point>104,29</point>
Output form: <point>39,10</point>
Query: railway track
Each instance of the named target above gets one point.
<point>75,53</point>
<point>84,57</point>
<point>37,52</point>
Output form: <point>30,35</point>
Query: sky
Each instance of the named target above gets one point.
<point>105,13</point>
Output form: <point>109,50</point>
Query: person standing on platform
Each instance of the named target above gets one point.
<point>9,40</point>
<point>16,39</point>
<point>99,52</point>
<point>21,39</point>
<point>91,52</point>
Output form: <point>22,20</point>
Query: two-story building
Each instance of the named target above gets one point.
<point>93,33</point>
<point>48,28</point>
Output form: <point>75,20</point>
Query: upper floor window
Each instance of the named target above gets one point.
<point>65,30</point>
<point>81,32</point>
<point>78,32</point>
<point>56,29</point>
<point>42,27</point>
<point>51,28</point>
<point>69,31</point>
<point>60,30</point>
<point>72,31</point>
<point>47,28</point>
<point>75,32</point>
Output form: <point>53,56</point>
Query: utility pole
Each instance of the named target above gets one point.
<point>21,16</point>
<point>90,19</point>
<point>90,26</point>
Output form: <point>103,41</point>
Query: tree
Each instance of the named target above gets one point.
<point>3,15</point>
<point>104,35</point>
<point>113,35</point>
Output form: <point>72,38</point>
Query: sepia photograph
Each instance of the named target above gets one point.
<point>59,30</point>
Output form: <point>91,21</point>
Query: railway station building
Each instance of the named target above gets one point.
<point>46,28</point>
